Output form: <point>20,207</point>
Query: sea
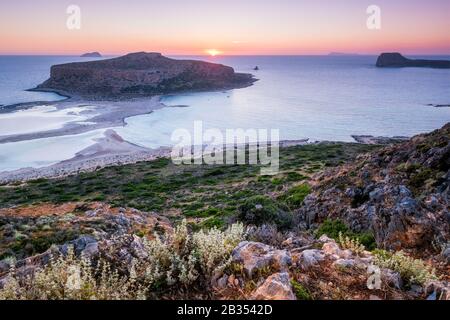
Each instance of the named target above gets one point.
<point>314,97</point>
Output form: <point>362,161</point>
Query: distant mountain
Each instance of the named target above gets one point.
<point>91,55</point>
<point>396,60</point>
<point>140,74</point>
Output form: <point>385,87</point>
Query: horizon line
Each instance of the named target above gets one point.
<point>225,55</point>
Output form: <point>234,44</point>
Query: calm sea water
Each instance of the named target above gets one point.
<point>19,73</point>
<point>321,98</point>
<point>316,97</point>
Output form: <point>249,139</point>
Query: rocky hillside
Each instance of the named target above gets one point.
<point>140,74</point>
<point>332,225</point>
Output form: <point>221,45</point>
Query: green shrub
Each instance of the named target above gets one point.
<point>213,222</point>
<point>295,176</point>
<point>332,228</point>
<point>335,227</point>
<point>294,197</point>
<point>300,291</point>
<point>259,210</point>
<point>413,271</point>
<point>351,243</point>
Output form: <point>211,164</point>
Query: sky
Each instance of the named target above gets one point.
<point>231,27</point>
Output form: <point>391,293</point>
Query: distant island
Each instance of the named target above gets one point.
<point>396,60</point>
<point>140,74</point>
<point>91,55</point>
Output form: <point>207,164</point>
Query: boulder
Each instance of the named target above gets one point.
<point>79,244</point>
<point>310,258</point>
<point>255,256</point>
<point>344,263</point>
<point>90,250</point>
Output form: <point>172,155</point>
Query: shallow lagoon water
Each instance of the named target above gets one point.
<point>40,118</point>
<point>44,152</point>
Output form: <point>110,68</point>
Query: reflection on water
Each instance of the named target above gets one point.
<point>321,98</point>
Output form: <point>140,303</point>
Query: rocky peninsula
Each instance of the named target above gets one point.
<point>139,75</point>
<point>396,60</point>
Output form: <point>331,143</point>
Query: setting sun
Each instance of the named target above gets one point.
<point>213,52</point>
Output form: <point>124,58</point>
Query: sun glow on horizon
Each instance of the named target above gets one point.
<point>213,52</point>
<point>217,28</point>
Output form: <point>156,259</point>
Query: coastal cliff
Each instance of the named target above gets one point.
<point>396,60</point>
<point>140,74</point>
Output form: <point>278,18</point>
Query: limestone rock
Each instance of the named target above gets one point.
<point>275,287</point>
<point>309,258</point>
<point>255,256</point>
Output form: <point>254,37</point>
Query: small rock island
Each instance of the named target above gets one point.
<point>91,55</point>
<point>140,74</point>
<point>396,60</point>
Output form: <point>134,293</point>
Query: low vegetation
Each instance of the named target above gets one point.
<point>197,191</point>
<point>413,271</point>
<point>181,260</point>
<point>339,231</point>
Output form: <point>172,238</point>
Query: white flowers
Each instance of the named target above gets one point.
<point>180,259</point>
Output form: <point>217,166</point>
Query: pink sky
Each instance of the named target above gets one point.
<point>231,27</point>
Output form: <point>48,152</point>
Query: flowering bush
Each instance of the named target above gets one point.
<point>180,259</point>
<point>352,244</point>
<point>71,278</point>
<point>410,269</point>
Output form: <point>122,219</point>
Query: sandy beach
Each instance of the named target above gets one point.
<point>106,151</point>
<point>110,150</point>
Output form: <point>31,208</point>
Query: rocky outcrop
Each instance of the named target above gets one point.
<point>83,230</point>
<point>396,60</point>
<point>91,55</point>
<point>329,271</point>
<point>275,287</point>
<point>140,74</point>
<point>399,193</point>
<point>255,256</point>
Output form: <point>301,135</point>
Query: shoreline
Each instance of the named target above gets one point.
<point>112,150</point>
<point>108,151</point>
